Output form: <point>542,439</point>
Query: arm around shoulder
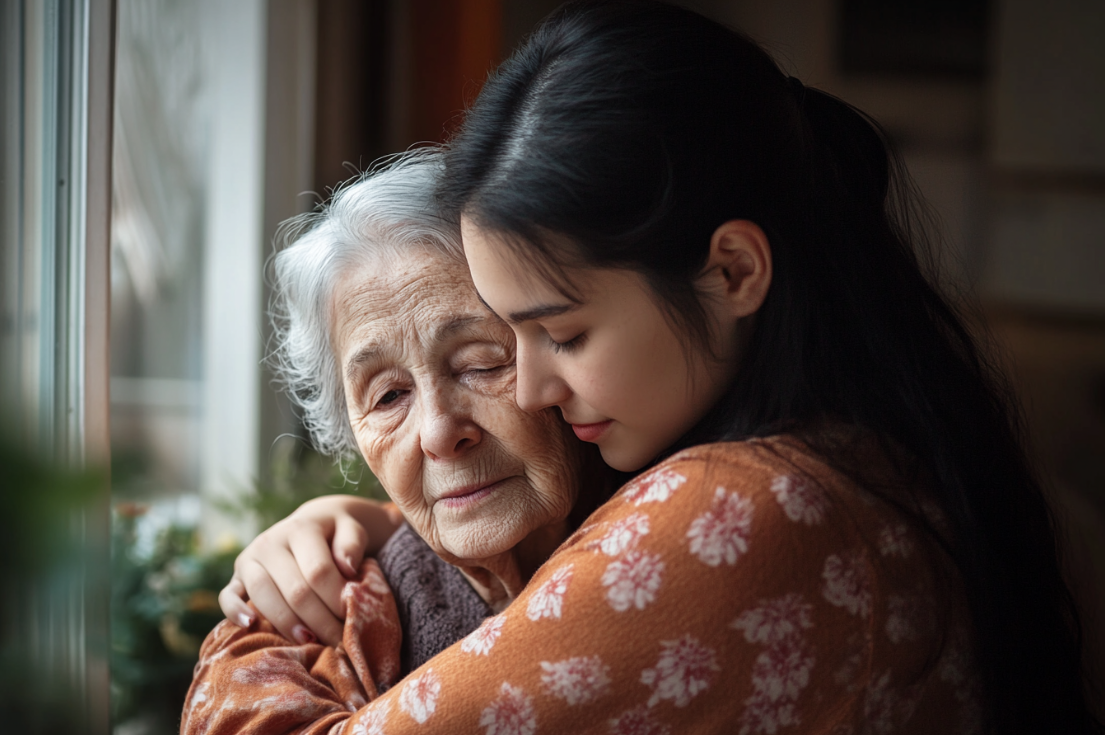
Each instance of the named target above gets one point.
<point>294,571</point>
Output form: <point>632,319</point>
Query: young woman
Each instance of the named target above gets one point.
<point>711,270</point>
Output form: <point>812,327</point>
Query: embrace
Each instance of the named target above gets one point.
<point>679,437</point>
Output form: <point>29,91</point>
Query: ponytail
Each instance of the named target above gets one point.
<point>848,148</point>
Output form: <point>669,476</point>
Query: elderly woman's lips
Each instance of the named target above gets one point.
<point>464,495</point>
<point>591,432</point>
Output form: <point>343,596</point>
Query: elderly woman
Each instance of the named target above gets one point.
<point>386,347</point>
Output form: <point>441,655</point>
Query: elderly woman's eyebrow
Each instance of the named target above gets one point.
<point>370,353</point>
<point>376,351</point>
<point>456,324</point>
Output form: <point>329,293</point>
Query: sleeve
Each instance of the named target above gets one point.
<point>713,594</point>
<point>256,681</point>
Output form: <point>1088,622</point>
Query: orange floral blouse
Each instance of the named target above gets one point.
<point>743,587</point>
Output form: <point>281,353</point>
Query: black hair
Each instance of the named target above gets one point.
<point>632,130</point>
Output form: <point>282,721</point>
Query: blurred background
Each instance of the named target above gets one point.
<point>228,118</point>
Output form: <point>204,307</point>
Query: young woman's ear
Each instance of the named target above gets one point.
<point>740,264</point>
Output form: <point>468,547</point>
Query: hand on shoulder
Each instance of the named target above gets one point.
<point>294,572</point>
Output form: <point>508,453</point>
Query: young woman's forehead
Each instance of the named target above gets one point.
<point>551,260</point>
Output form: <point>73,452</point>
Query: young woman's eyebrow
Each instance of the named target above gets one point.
<point>538,312</point>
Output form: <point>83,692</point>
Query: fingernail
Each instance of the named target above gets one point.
<point>302,635</point>
<point>351,565</point>
<point>245,620</point>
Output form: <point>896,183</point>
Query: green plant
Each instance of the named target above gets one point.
<point>162,605</point>
<point>164,594</point>
<point>45,566</point>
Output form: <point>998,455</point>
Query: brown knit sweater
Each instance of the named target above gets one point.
<point>436,604</point>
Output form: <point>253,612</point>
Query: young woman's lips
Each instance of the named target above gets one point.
<point>591,432</point>
<point>463,496</point>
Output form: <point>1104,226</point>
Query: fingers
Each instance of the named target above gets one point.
<point>317,567</point>
<point>266,597</point>
<point>350,541</point>
<point>294,572</point>
<point>232,601</point>
<point>279,592</point>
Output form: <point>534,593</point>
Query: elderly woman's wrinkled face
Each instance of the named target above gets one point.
<point>429,383</point>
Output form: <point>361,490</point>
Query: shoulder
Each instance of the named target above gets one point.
<point>758,564</point>
<point>771,514</point>
<point>779,473</point>
<point>716,505</point>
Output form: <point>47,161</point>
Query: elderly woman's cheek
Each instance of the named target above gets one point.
<point>374,447</point>
<point>556,463</point>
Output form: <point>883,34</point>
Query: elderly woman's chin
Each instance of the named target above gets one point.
<point>506,517</point>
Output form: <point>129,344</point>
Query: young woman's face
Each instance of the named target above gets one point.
<point>612,363</point>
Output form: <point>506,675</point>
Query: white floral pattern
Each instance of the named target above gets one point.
<point>901,618</point>
<point>779,675</point>
<point>894,541</point>
<point>372,721</point>
<point>957,668</point>
<point>419,696</point>
<point>782,670</point>
<point>954,664</point>
<point>624,534</point>
<point>721,533</point>
<point>511,714</point>
<point>548,601</point>
<point>299,703</point>
<point>271,668</point>
<point>638,721</point>
<point>686,668</point>
<point>633,580</point>
<point>366,594</point>
<point>857,644</point>
<point>935,515</point>
<point>878,705</point>
<point>774,620</point>
<point>885,707</point>
<point>656,487</point>
<point>576,680</point>
<point>199,698</point>
<point>481,640</point>
<point>848,583</point>
<point>802,499</point>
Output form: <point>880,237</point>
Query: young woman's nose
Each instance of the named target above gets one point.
<point>537,385</point>
<point>448,430</point>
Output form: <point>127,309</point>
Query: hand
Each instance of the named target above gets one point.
<point>294,572</point>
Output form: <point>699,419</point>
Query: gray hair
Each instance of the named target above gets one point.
<point>384,212</point>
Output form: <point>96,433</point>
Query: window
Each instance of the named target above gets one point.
<point>55,101</point>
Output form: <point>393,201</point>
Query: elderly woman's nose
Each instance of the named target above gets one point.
<point>448,429</point>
